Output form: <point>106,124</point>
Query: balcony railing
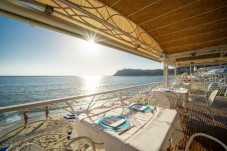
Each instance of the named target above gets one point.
<point>74,104</point>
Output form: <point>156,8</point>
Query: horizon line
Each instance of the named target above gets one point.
<point>50,75</point>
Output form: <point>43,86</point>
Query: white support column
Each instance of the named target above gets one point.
<point>165,74</point>
<point>190,70</point>
<point>225,76</point>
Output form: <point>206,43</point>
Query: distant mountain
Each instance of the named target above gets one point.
<point>140,72</point>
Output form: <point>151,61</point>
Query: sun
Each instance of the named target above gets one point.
<point>90,47</point>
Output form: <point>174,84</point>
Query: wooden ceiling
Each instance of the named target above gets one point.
<point>179,25</point>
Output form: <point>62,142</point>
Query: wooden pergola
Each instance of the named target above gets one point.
<point>178,33</point>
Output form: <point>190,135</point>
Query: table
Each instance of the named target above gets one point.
<point>151,131</point>
<point>182,93</point>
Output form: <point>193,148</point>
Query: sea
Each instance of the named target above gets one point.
<point>16,90</point>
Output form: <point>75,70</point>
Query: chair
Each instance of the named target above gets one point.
<point>159,99</point>
<point>173,99</point>
<point>197,88</point>
<point>208,103</point>
<point>204,135</point>
<point>146,98</point>
<point>167,100</point>
<point>205,89</point>
<point>206,93</point>
<point>81,143</point>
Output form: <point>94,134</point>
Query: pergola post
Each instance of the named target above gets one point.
<point>175,72</point>
<point>190,70</point>
<point>225,76</point>
<point>165,74</point>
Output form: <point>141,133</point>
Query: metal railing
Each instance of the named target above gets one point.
<point>88,102</point>
<point>71,104</point>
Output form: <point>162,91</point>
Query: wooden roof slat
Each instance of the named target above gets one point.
<point>217,34</point>
<point>134,5</point>
<point>213,26</point>
<point>142,9</point>
<point>109,2</point>
<point>115,3</point>
<point>215,15</point>
<point>137,6</point>
<point>214,22</point>
<point>194,9</point>
<point>167,13</point>
<point>198,45</point>
<point>119,5</point>
<point>156,9</point>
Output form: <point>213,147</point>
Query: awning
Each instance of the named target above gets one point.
<point>182,32</point>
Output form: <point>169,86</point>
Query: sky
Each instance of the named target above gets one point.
<point>35,51</point>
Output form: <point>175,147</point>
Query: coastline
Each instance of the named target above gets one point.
<point>141,72</point>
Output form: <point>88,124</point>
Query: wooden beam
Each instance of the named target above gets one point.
<point>204,60</point>
<point>206,56</point>
<point>208,50</point>
<point>165,74</point>
<point>200,63</point>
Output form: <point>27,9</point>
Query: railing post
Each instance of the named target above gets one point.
<point>72,109</point>
<point>90,102</point>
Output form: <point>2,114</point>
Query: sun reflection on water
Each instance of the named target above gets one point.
<point>92,83</point>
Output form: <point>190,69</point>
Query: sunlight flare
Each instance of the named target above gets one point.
<point>92,83</point>
<point>90,48</point>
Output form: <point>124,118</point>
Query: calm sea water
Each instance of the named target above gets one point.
<point>17,90</point>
